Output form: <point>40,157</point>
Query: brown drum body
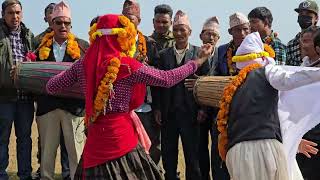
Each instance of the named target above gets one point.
<point>33,77</point>
<point>208,90</point>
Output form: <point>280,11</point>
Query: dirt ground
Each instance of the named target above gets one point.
<point>12,169</point>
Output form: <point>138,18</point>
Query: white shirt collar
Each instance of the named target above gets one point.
<point>63,44</point>
<point>59,50</point>
<point>177,50</point>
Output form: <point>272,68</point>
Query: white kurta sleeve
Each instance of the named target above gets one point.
<point>298,109</point>
<point>284,80</point>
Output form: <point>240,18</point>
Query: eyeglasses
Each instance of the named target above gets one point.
<point>59,23</point>
<point>209,34</point>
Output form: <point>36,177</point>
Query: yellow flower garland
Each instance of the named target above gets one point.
<point>142,47</point>
<point>249,57</point>
<point>222,117</point>
<point>268,52</point>
<point>126,35</point>
<point>72,46</point>
<point>92,30</point>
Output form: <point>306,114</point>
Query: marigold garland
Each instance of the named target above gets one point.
<point>142,47</point>
<point>230,51</point>
<point>126,35</point>
<point>222,118</point>
<point>72,46</point>
<point>269,39</point>
<point>270,50</point>
<point>92,30</point>
<point>105,89</point>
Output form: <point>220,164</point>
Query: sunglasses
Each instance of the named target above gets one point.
<point>59,23</point>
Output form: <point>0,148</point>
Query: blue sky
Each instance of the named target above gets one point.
<point>285,18</point>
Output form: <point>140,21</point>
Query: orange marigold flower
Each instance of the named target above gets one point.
<point>112,69</point>
<point>113,76</point>
<point>270,50</point>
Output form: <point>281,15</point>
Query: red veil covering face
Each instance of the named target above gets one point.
<point>98,57</point>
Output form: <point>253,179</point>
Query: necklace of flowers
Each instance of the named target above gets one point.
<point>105,92</point>
<point>92,30</point>
<point>126,35</point>
<point>142,47</point>
<point>269,39</point>
<point>223,114</point>
<point>72,46</point>
<point>268,52</point>
<point>231,49</point>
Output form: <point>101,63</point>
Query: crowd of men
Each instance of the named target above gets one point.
<point>175,113</point>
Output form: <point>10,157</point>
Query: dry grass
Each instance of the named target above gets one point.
<point>12,169</point>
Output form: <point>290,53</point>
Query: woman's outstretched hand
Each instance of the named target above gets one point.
<point>204,53</point>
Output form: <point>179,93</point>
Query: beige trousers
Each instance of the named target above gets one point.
<point>50,126</point>
<point>257,160</point>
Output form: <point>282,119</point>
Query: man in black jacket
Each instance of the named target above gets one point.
<point>63,151</point>
<point>56,115</point>
<point>178,107</point>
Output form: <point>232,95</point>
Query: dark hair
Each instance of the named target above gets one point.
<point>50,6</point>
<point>8,3</point>
<point>263,14</point>
<point>94,20</point>
<point>316,38</point>
<point>163,9</point>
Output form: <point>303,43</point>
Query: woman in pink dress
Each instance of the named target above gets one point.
<point>114,85</point>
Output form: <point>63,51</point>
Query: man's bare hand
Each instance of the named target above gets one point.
<point>204,52</point>
<point>306,147</point>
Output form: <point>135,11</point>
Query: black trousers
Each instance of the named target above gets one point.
<point>310,168</point>
<point>204,157</point>
<point>180,124</point>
